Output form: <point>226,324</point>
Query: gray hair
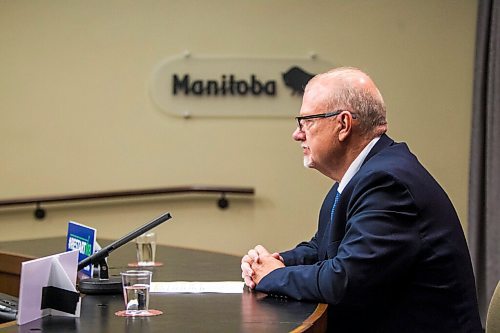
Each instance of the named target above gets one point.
<point>366,103</point>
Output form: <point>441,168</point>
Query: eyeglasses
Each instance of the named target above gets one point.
<point>300,122</point>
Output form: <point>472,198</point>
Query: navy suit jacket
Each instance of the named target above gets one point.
<point>395,258</point>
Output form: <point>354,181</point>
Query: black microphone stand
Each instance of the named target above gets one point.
<point>103,284</point>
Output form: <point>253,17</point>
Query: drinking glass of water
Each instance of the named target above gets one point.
<point>146,249</point>
<point>136,286</point>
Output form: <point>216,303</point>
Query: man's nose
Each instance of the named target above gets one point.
<point>298,135</point>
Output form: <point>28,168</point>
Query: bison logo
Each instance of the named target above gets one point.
<point>296,79</point>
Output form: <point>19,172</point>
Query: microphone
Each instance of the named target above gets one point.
<point>103,284</point>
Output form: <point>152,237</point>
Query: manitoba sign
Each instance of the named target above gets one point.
<point>190,86</point>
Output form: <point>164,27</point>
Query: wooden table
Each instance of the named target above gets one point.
<point>246,312</point>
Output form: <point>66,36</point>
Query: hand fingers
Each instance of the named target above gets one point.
<point>254,255</point>
<point>252,258</point>
<point>261,250</point>
<point>246,258</point>
<point>249,282</point>
<point>246,269</point>
<point>276,255</point>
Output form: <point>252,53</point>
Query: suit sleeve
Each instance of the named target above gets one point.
<point>305,253</point>
<point>380,243</point>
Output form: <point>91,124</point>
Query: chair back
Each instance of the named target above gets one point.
<point>493,317</point>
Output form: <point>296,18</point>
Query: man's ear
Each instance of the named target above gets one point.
<point>345,120</point>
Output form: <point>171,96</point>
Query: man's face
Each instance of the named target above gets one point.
<point>316,135</point>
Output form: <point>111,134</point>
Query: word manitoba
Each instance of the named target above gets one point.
<point>227,85</point>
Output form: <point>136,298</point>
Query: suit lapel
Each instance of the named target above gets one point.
<point>335,231</point>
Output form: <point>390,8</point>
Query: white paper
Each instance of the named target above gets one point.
<point>42,272</point>
<point>222,287</point>
<point>58,278</point>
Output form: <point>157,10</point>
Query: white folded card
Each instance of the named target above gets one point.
<point>222,287</point>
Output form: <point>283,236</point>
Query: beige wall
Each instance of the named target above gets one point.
<point>76,117</point>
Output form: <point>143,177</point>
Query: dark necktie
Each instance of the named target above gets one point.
<point>327,236</point>
<point>337,196</point>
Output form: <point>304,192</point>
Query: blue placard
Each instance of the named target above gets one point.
<point>81,238</point>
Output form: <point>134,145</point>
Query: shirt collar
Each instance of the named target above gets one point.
<point>356,165</point>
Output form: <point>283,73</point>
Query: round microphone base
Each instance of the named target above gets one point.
<point>96,286</point>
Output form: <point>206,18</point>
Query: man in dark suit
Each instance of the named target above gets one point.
<point>389,254</point>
